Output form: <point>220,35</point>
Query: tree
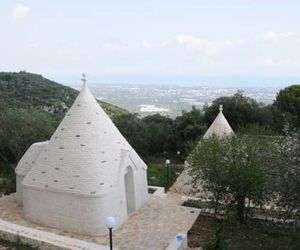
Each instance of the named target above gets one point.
<point>286,173</point>
<point>287,105</point>
<point>158,133</point>
<point>133,130</point>
<point>151,135</point>
<point>20,127</point>
<point>239,111</point>
<point>218,241</point>
<point>188,128</point>
<point>207,167</point>
<point>234,169</point>
<point>248,168</point>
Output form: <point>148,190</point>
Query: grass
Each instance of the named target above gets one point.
<point>198,204</point>
<point>17,245</point>
<point>157,174</point>
<point>254,235</point>
<point>151,190</point>
<point>206,204</point>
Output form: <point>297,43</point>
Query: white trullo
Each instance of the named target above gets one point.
<point>220,128</point>
<point>84,173</point>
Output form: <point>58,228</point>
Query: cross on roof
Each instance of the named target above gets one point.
<point>83,78</point>
<point>221,107</point>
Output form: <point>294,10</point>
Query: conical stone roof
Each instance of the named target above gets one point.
<point>85,153</point>
<point>220,126</point>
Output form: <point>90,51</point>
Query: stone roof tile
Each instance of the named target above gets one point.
<point>220,126</point>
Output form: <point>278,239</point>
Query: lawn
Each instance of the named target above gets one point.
<point>254,235</point>
<point>158,176</point>
<point>18,245</point>
<point>201,204</point>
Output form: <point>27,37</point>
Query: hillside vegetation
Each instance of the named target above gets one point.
<point>32,106</point>
<point>27,89</point>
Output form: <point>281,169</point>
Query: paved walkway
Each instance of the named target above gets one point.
<point>152,227</point>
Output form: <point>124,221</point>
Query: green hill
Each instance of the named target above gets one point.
<point>34,90</point>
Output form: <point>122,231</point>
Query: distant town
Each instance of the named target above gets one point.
<point>171,100</point>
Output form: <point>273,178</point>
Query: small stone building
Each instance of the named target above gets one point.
<point>220,128</point>
<point>86,172</point>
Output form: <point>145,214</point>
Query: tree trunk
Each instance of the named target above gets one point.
<point>216,202</point>
<point>241,209</point>
<point>247,209</point>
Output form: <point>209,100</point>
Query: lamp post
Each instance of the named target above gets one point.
<point>168,162</point>
<point>178,154</point>
<point>110,223</point>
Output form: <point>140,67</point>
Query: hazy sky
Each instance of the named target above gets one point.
<point>151,37</point>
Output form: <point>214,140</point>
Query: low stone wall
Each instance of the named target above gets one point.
<point>178,243</point>
<point>43,240</point>
<point>159,191</point>
<point>222,212</point>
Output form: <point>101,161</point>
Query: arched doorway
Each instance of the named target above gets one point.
<point>129,190</point>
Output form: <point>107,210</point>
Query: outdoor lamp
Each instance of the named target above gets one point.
<point>110,223</point>
<point>168,162</point>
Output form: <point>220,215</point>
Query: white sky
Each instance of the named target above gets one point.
<point>157,37</point>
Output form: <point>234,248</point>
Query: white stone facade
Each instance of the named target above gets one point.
<point>86,172</point>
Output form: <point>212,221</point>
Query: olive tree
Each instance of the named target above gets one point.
<point>206,166</point>
<point>234,169</point>
<point>287,173</point>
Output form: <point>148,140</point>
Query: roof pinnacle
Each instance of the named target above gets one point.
<point>83,79</point>
<point>221,107</point>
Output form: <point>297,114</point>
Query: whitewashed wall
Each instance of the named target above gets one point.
<point>140,187</point>
<point>71,212</point>
<point>19,188</point>
<point>82,214</point>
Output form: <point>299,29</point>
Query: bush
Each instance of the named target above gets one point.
<point>217,242</point>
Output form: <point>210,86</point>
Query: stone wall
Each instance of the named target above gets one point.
<point>43,240</point>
